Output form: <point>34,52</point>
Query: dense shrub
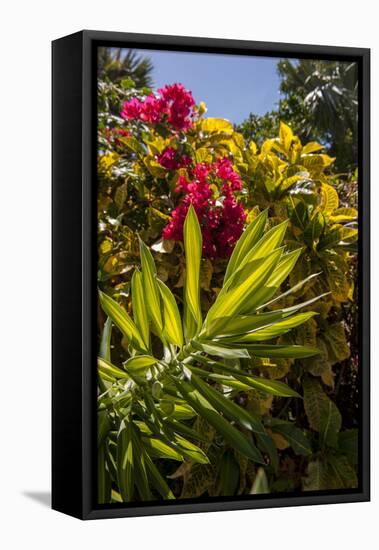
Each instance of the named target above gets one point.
<point>160,158</point>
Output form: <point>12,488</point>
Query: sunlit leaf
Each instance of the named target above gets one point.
<point>193,250</point>
<point>273,330</point>
<point>260,485</point>
<point>278,350</point>
<point>110,372</point>
<point>172,324</point>
<point>121,318</point>
<point>139,362</point>
<point>125,462</point>
<point>150,286</point>
<point>233,302</point>
<point>140,314</point>
<point>213,125</point>
<point>246,242</point>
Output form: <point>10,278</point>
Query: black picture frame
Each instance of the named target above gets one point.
<point>74,271</point>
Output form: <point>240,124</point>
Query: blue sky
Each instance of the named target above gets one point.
<point>231,86</point>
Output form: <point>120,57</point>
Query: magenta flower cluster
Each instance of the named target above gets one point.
<point>171,159</point>
<point>221,217</point>
<point>173,105</point>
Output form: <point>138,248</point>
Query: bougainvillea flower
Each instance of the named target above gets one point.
<point>221,217</point>
<point>132,109</point>
<point>171,159</point>
<point>178,103</point>
<point>174,105</point>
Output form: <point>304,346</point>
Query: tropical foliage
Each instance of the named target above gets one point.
<point>227,355</point>
<point>320,101</point>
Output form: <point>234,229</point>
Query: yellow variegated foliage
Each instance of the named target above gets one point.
<point>284,181</point>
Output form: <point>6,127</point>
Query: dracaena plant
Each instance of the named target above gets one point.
<point>149,404</point>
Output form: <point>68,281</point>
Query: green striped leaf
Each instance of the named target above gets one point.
<point>220,351</point>
<point>191,451</point>
<point>229,474</point>
<point>140,470</point>
<point>272,330</point>
<point>159,449</point>
<point>103,426</point>
<point>182,411</point>
<point>125,462</point>
<point>270,241</point>
<point>234,437</point>
<point>242,324</point>
<point>139,362</point>
<point>260,485</point>
<point>246,242</point>
<point>184,430</point>
<point>150,286</point>
<point>293,289</point>
<point>108,371</point>
<point>268,289</point>
<point>122,320</point>
<point>233,302</point>
<point>172,327</point>
<point>140,314</point>
<point>105,342</point>
<point>193,250</point>
<point>272,387</point>
<point>278,350</point>
<point>229,409</point>
<point>157,479</point>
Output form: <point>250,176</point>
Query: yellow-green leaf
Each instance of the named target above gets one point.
<point>260,485</point>
<point>227,407</point>
<point>172,327</point>
<point>285,135</point>
<point>274,330</point>
<point>108,371</point>
<point>272,387</point>
<point>160,449</point>
<point>248,239</point>
<point>219,350</point>
<point>151,290</point>
<point>193,249</point>
<point>278,350</point>
<point>311,147</point>
<point>121,318</point>
<point>139,362</point>
<point>238,440</point>
<point>233,302</point>
<point>218,125</point>
<point>125,462</point>
<point>140,314</point>
<point>329,198</point>
<point>268,289</point>
<point>344,215</point>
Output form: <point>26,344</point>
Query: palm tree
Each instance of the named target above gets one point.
<point>117,64</point>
